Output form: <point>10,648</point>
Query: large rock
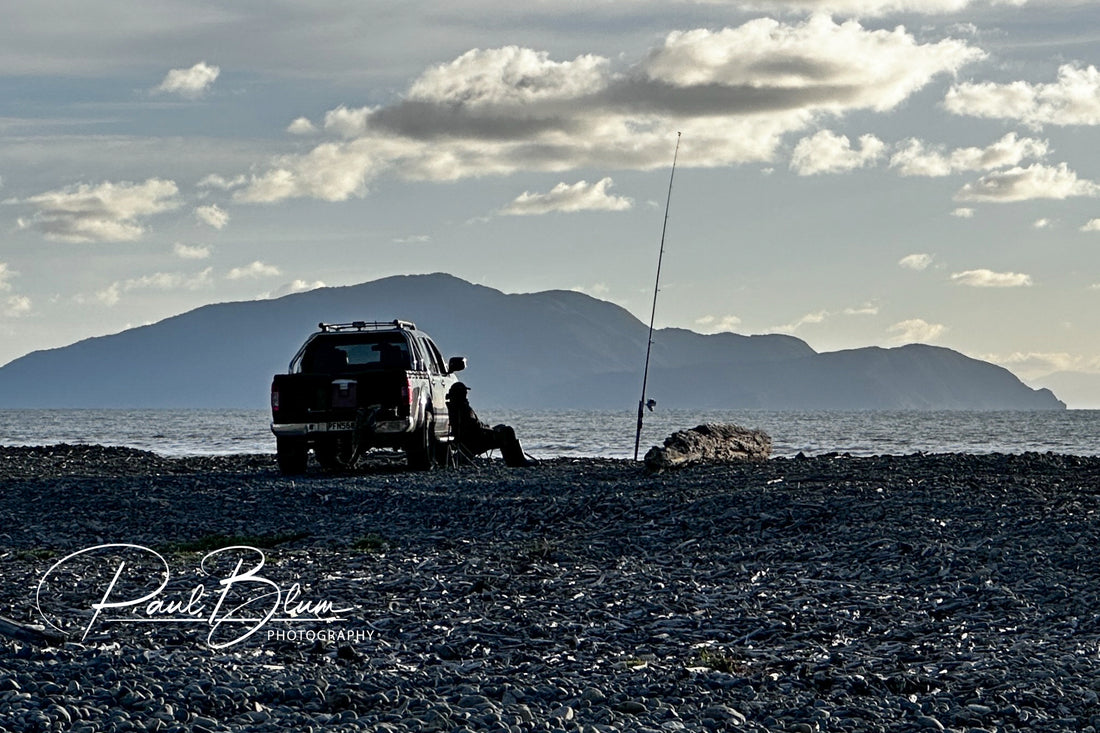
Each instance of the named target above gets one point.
<point>712,443</point>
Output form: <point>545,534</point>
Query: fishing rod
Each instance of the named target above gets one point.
<point>642,404</point>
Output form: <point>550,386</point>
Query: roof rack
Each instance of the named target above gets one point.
<point>366,326</point>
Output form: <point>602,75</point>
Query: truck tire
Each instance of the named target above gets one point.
<point>292,455</point>
<point>420,450</point>
<point>332,455</point>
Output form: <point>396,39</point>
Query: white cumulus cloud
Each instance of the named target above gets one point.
<point>295,286</point>
<point>734,93</point>
<point>253,270</point>
<point>1092,225</point>
<point>916,330</point>
<point>1037,181</point>
<point>212,215</point>
<point>302,126</point>
<point>347,123</point>
<point>1033,364</point>
<point>112,294</point>
<point>867,309</point>
<point>983,278</point>
<point>107,212</point>
<point>1074,99</point>
<point>717,324</point>
<point>190,83</point>
<point>565,197</point>
<point>806,320</point>
<point>6,274</point>
<point>914,158</point>
<point>867,8</point>
<point>226,184</point>
<point>597,290</point>
<point>963,212</point>
<point>917,261</point>
<point>190,252</point>
<point>16,306</point>
<point>827,152</point>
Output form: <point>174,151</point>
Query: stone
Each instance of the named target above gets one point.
<point>709,443</point>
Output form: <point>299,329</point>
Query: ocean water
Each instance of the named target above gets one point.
<point>594,432</point>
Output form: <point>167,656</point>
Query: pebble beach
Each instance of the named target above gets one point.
<point>823,593</point>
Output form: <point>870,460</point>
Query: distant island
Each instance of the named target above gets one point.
<point>554,349</point>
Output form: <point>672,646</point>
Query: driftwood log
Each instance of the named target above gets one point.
<point>711,443</point>
<point>27,633</point>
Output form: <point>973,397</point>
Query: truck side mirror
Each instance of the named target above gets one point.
<point>456,364</point>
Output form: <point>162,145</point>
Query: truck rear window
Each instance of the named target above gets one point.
<point>356,352</point>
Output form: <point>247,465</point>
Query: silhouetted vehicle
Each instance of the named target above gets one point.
<point>361,385</point>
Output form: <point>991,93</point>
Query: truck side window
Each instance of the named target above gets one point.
<point>436,357</point>
<point>429,363</point>
<point>418,361</point>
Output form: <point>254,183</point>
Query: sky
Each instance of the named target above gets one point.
<point>851,172</point>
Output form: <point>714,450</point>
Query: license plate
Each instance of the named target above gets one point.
<point>328,427</point>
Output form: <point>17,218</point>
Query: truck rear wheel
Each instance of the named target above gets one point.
<point>420,450</point>
<point>292,455</point>
<point>332,455</point>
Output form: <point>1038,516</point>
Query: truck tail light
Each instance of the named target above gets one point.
<point>407,394</point>
<point>274,400</point>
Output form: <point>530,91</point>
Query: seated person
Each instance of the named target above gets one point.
<point>477,437</point>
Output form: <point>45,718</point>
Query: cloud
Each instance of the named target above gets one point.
<point>808,319</point>
<point>225,184</point>
<point>963,212</point>
<point>6,274</point>
<point>717,324</point>
<point>190,252</point>
<point>413,239</point>
<point>347,123</point>
<point>916,330</point>
<point>868,8</point>
<point>595,291</point>
<point>818,64</point>
<point>190,83</point>
<point>989,279</point>
<point>1074,99</point>
<point>302,126</point>
<point>734,93</point>
<point>1092,225</point>
<point>213,215</point>
<point>914,159</point>
<point>15,306</point>
<point>827,152</point>
<point>108,212</point>
<point>252,271</point>
<point>1023,184</point>
<point>867,309</point>
<point>1034,364</point>
<point>919,261</point>
<point>1043,223</point>
<point>330,172</point>
<point>295,286</point>
<point>564,197</point>
<point>112,294</point>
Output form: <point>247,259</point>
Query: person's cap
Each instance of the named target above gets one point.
<point>460,386</point>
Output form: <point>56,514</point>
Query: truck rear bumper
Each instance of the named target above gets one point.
<point>305,429</point>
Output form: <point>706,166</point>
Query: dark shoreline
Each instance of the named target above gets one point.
<point>821,593</point>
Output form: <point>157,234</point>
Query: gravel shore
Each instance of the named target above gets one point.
<point>828,593</point>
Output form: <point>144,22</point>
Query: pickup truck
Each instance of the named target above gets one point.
<point>361,385</point>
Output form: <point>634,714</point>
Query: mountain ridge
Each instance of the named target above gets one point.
<point>555,348</point>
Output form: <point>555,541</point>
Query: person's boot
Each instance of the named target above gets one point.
<point>510,449</point>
